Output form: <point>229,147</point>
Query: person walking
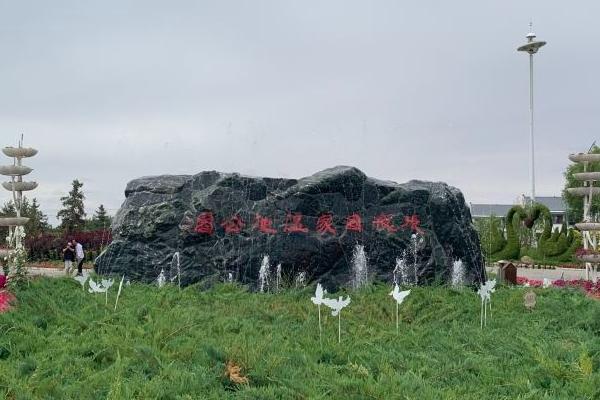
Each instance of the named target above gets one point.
<point>68,257</point>
<point>80,257</point>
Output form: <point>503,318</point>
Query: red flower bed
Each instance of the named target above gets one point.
<point>532,282</point>
<point>584,252</point>
<point>6,300</point>
<point>589,287</point>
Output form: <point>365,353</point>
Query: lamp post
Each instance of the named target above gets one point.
<point>531,47</point>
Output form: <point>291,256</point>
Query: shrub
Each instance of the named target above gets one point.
<point>49,246</point>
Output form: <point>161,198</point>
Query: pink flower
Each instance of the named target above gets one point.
<point>6,298</point>
<point>535,282</point>
<point>584,252</point>
<point>589,287</point>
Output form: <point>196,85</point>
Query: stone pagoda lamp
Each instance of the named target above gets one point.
<point>16,186</point>
<point>589,228</point>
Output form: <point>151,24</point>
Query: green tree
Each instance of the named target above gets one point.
<point>101,217</point>
<point>575,203</point>
<point>8,210</point>
<point>491,235</point>
<point>72,215</point>
<point>38,221</point>
<point>100,220</point>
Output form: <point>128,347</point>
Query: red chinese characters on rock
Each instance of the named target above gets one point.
<point>383,222</point>
<point>205,223</point>
<point>354,223</point>
<point>264,224</point>
<point>233,225</point>
<point>325,224</point>
<point>293,224</point>
<point>413,223</point>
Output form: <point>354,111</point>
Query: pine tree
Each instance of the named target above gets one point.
<point>101,218</point>
<point>38,221</point>
<point>8,210</point>
<point>72,215</point>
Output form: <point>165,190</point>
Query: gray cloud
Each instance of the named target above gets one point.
<point>433,90</point>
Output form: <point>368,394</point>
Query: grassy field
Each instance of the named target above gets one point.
<point>61,342</point>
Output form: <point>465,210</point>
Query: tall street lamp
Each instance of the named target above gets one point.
<point>532,46</point>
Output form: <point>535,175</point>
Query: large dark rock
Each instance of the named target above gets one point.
<point>165,214</point>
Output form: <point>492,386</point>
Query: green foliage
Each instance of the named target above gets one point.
<point>550,244</point>
<point>100,220</point>
<point>491,235</point>
<point>38,221</point>
<point>72,215</point>
<point>548,247</point>
<point>16,262</point>
<point>576,243</point>
<point>64,343</point>
<point>512,247</point>
<point>101,217</point>
<point>557,244</point>
<point>575,203</point>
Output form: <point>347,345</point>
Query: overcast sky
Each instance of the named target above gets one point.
<point>113,90</point>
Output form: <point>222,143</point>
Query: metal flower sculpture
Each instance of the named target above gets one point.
<point>399,297</point>
<point>318,300</point>
<point>81,279</point>
<point>107,283</point>
<point>336,308</point>
<point>96,287</point>
<point>101,287</point>
<point>485,292</point>
<point>119,292</point>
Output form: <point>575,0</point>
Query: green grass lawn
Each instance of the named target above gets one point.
<point>61,342</point>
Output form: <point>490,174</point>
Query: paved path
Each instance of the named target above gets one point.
<point>558,273</point>
<point>52,272</point>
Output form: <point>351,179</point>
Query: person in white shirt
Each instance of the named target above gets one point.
<point>80,256</point>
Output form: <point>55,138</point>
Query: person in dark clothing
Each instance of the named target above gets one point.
<point>68,257</point>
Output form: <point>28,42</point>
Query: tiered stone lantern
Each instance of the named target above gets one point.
<point>589,227</point>
<point>14,255</point>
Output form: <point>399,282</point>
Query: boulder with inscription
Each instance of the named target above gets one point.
<point>222,225</point>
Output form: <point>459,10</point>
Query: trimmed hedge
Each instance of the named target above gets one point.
<point>553,247</point>
<point>512,248</point>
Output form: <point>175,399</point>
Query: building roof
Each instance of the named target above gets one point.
<point>486,210</point>
<point>556,205</point>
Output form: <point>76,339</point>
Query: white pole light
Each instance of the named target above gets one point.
<point>531,47</point>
